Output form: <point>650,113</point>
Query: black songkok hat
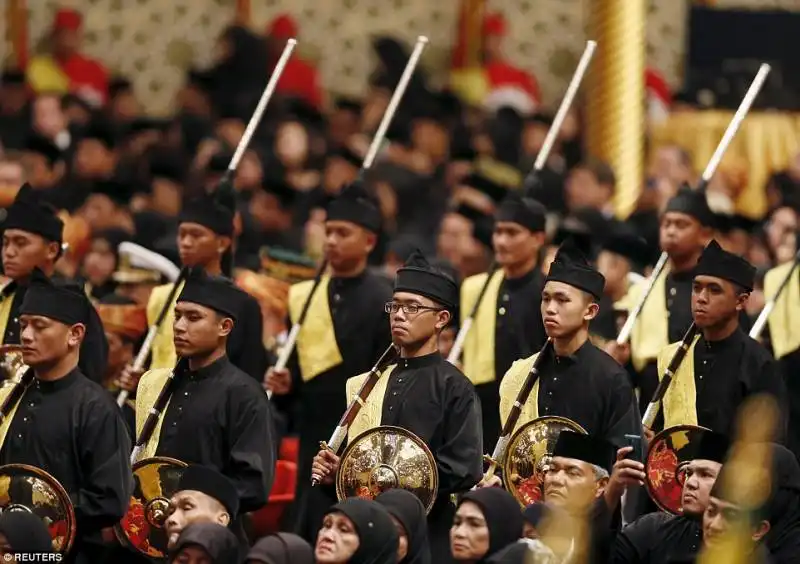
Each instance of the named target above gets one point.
<point>527,212</point>
<point>278,187</point>
<point>716,261</point>
<point>210,482</point>
<point>65,303</point>
<point>692,203</point>
<point>355,205</point>
<point>29,213</point>
<point>43,146</point>
<point>417,276</point>
<point>587,448</point>
<point>710,446</point>
<point>208,212</point>
<point>482,224</point>
<point>623,240</point>
<point>215,292</point>
<point>571,267</point>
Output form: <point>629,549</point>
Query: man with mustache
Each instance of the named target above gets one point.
<point>507,325</point>
<point>32,237</point>
<point>657,538</point>
<point>723,365</point>
<point>217,415</point>
<point>344,333</point>
<point>64,423</point>
<point>422,393</point>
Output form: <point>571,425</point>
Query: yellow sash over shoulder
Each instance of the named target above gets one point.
<point>509,390</point>
<point>146,395</point>
<point>680,402</point>
<point>370,415</point>
<point>784,336</point>
<point>163,351</point>
<point>479,344</point>
<point>6,424</point>
<point>5,311</point>
<point>651,331</point>
<point>317,349</point>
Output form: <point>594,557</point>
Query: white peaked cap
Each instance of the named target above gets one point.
<point>140,257</point>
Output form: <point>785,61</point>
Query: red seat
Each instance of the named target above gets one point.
<point>268,519</point>
<point>289,449</point>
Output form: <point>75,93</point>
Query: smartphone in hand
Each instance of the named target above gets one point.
<point>635,441</point>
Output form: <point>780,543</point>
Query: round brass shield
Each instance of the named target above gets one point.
<point>670,451</point>
<point>529,452</point>
<point>12,366</point>
<point>31,489</point>
<point>155,482</point>
<point>385,458</point>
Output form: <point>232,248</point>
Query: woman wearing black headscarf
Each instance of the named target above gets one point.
<point>409,516</point>
<point>486,521</point>
<point>281,548</point>
<point>357,531</point>
<point>783,508</point>
<point>206,540</point>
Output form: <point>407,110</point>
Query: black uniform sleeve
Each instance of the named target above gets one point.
<point>250,434</point>
<point>104,449</point>
<point>250,356</point>
<point>460,455</point>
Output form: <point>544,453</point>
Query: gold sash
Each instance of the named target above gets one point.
<point>479,344</point>
<point>651,331</point>
<point>680,401</point>
<point>509,390</point>
<point>5,312</point>
<point>784,336</point>
<point>317,349</point>
<point>147,392</point>
<point>163,351</point>
<point>370,415</point>
<point>6,424</point>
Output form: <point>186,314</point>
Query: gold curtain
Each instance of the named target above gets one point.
<point>616,116</point>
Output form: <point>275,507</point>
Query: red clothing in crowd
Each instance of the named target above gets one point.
<point>300,78</point>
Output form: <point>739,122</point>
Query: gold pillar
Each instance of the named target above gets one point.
<point>616,98</point>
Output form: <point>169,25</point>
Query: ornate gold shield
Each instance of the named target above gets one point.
<point>670,451</point>
<point>529,452</point>
<point>31,489</point>
<point>385,458</point>
<point>155,482</point>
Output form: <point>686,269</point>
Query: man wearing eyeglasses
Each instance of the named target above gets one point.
<point>422,393</point>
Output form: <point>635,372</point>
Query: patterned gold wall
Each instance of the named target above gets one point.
<point>153,41</point>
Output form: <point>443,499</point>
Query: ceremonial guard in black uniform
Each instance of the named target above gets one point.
<point>723,366</point>
<point>32,237</point>
<point>422,393</point>
<point>345,331</point>
<point>64,423</point>
<point>577,380</point>
<point>217,415</point>
<point>508,323</point>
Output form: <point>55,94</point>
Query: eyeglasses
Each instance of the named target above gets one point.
<point>408,309</point>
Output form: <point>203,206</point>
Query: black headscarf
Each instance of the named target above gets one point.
<point>281,548</point>
<point>502,514</point>
<point>25,532</point>
<point>377,535</point>
<point>408,509</point>
<point>218,542</point>
<point>783,508</point>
